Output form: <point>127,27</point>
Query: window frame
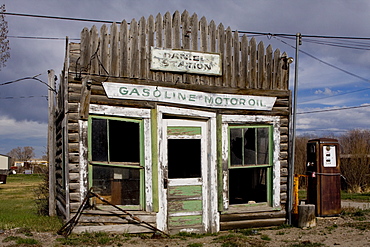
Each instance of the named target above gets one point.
<point>130,165</point>
<point>224,121</point>
<point>251,166</point>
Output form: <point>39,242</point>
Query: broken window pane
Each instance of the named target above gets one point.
<point>115,140</point>
<point>99,143</point>
<point>247,185</point>
<point>119,186</point>
<point>184,158</point>
<point>249,146</point>
<point>124,141</point>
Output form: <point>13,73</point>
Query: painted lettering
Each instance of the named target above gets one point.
<point>157,93</point>
<point>192,97</point>
<point>208,100</point>
<point>181,96</point>
<point>218,100</point>
<point>233,101</point>
<point>146,92</point>
<point>123,90</point>
<point>251,102</point>
<point>134,91</point>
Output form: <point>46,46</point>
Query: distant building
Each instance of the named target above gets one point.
<point>5,163</point>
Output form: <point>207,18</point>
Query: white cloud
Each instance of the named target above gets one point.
<point>327,91</point>
<point>11,128</point>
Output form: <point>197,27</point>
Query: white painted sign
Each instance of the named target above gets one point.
<point>330,157</point>
<point>187,97</point>
<point>185,61</point>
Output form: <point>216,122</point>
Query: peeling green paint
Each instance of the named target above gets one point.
<point>188,220</point>
<point>185,206</point>
<point>185,191</point>
<point>184,130</point>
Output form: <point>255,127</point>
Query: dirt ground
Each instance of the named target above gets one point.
<point>350,229</point>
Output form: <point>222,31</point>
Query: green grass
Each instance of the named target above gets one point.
<point>18,205</point>
<point>360,197</point>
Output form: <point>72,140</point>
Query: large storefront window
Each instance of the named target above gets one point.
<point>250,164</point>
<point>115,154</point>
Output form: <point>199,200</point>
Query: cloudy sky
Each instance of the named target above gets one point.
<point>333,73</point>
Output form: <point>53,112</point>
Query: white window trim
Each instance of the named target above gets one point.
<point>255,119</point>
<point>145,115</point>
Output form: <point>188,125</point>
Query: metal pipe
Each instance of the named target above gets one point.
<point>292,148</point>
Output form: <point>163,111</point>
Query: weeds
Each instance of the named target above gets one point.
<point>19,240</point>
<point>94,238</point>
<point>195,245</point>
<point>306,244</point>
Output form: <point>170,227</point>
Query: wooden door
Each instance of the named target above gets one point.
<point>184,178</point>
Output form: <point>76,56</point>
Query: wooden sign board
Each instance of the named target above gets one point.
<point>185,61</point>
<point>188,97</point>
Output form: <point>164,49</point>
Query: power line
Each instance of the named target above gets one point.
<point>58,17</point>
<point>337,109</point>
<point>339,94</point>
<point>24,97</point>
<point>326,63</point>
<point>29,78</point>
<point>42,38</point>
<point>240,31</point>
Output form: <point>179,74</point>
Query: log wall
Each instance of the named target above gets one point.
<point>121,53</point>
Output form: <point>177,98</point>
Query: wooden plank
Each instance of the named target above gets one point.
<point>176,30</point>
<point>194,79</point>
<point>143,69</point>
<point>236,61</point>
<point>113,50</point>
<point>159,41</point>
<point>150,36</point>
<point>183,130</point>
<point>212,45</point>
<point>134,44</point>
<point>225,217</point>
<point>228,59</point>
<point>261,66</point>
<point>277,75</point>
<point>221,50</point>
<point>244,62</point>
<point>284,72</point>
<point>269,68</point>
<point>127,228</point>
<point>186,35</point>
<point>85,98</point>
<point>252,78</point>
<point>104,51</point>
<point>178,206</point>
<point>94,43</point>
<point>181,192</point>
<point>85,50</point>
<point>124,50</point>
<point>203,29</point>
<point>251,223</point>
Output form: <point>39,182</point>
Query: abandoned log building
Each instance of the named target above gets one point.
<point>182,122</point>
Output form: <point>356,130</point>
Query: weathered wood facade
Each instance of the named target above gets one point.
<point>208,198</point>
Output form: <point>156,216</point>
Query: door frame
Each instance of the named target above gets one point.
<point>210,219</point>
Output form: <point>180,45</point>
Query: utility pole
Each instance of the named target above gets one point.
<point>51,142</point>
<point>293,130</point>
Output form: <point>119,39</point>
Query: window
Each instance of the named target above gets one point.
<point>250,164</point>
<point>115,155</point>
